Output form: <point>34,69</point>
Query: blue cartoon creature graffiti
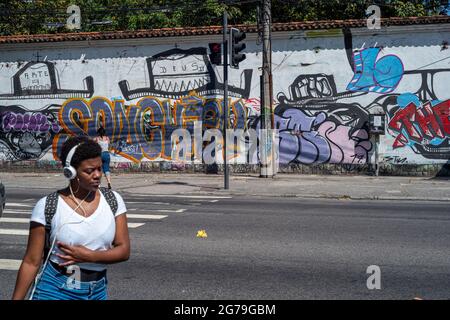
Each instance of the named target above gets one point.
<point>372,75</point>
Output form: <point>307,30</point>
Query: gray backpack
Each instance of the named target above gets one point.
<point>51,204</point>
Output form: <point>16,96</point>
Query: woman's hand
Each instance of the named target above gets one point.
<point>74,254</point>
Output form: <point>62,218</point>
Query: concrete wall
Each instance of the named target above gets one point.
<point>326,83</point>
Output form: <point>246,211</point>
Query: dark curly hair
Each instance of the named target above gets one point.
<point>87,149</point>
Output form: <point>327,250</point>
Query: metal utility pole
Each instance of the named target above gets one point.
<point>225,100</point>
<point>266,139</point>
<point>377,166</point>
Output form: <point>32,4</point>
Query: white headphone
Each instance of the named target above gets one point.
<point>69,171</point>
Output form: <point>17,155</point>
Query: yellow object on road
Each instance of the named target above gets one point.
<point>202,234</point>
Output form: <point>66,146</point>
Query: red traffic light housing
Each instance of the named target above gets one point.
<point>216,53</point>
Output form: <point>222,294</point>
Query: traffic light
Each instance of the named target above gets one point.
<point>236,36</point>
<point>216,53</point>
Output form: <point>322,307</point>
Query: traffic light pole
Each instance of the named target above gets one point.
<point>225,100</point>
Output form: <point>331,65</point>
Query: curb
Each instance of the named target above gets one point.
<point>302,196</point>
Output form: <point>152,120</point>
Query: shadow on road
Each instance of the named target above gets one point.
<point>444,172</point>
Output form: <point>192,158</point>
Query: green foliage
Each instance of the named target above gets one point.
<point>402,8</point>
<point>407,9</point>
<point>34,16</point>
<point>309,10</point>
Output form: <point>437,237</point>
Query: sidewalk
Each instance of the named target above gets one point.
<point>283,185</point>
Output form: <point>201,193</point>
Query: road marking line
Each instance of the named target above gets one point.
<point>135,225</point>
<point>180,196</point>
<point>164,210</point>
<point>16,204</point>
<point>159,210</point>
<point>149,202</point>
<point>22,232</point>
<point>15,220</point>
<point>146,216</point>
<point>131,209</point>
<point>16,232</point>
<point>201,200</point>
<point>10,264</point>
<point>17,211</point>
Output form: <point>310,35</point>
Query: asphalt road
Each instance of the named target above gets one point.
<point>276,248</point>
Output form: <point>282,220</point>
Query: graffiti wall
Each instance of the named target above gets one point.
<point>324,90</point>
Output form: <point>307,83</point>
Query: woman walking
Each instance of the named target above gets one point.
<point>103,141</point>
<point>81,229</point>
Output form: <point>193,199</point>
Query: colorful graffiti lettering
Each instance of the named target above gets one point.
<point>312,139</point>
<point>143,130</point>
<point>27,134</point>
<point>372,75</point>
<point>31,122</point>
<point>347,145</point>
<point>317,123</point>
<point>316,128</point>
<point>420,123</point>
<point>419,119</point>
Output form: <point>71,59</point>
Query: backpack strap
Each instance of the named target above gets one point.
<point>110,198</point>
<point>51,204</point>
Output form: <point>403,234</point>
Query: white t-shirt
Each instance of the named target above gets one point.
<point>103,144</point>
<point>95,232</point>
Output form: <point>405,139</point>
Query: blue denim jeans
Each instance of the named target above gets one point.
<point>106,158</point>
<point>54,285</point>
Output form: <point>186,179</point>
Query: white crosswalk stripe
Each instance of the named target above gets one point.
<point>181,196</point>
<point>10,264</point>
<point>146,216</point>
<point>161,210</point>
<point>16,204</point>
<point>15,232</point>
<point>15,212</point>
<point>15,220</point>
<point>149,202</point>
<point>177,211</point>
<point>132,216</point>
<point>25,232</point>
<point>135,225</point>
